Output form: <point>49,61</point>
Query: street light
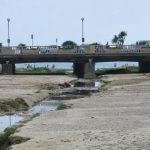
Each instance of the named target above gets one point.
<point>56,41</point>
<point>32,39</point>
<point>8,40</point>
<point>83,39</point>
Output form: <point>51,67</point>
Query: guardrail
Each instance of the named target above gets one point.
<point>49,50</point>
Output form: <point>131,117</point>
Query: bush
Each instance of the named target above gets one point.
<point>9,131</point>
<point>62,106</point>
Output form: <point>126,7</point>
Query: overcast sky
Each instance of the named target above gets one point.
<point>51,19</point>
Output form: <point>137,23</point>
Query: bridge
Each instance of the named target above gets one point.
<point>83,57</point>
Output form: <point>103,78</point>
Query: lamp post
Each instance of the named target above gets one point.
<point>83,39</point>
<point>8,40</point>
<point>56,41</point>
<point>32,37</point>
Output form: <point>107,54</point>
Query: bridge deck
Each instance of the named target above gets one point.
<point>99,54</point>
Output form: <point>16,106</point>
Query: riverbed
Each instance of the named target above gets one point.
<point>115,118</point>
<point>32,89</point>
<point>48,104</point>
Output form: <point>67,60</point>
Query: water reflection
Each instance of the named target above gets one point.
<point>44,107</point>
<point>6,121</point>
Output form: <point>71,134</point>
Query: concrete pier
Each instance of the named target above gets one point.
<point>144,66</point>
<point>8,68</point>
<point>85,69</point>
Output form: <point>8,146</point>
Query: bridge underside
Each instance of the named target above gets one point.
<point>84,66</point>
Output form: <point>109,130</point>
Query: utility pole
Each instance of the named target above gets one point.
<point>8,40</point>
<point>83,39</point>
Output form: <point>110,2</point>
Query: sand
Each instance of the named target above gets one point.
<point>117,118</point>
<point>31,88</point>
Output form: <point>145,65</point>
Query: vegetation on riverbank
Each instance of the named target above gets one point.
<point>41,70</point>
<point>17,104</point>
<point>7,140</point>
<point>62,106</point>
<point>44,70</point>
<point>127,70</point>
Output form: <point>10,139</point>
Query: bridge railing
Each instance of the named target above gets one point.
<point>49,50</point>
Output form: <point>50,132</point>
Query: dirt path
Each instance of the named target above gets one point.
<point>117,118</point>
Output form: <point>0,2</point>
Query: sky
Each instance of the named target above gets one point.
<point>51,19</point>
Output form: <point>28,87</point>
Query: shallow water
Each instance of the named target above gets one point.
<point>98,84</point>
<point>7,121</point>
<point>43,107</point>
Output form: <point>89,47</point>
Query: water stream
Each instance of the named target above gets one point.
<point>7,121</point>
<point>43,107</point>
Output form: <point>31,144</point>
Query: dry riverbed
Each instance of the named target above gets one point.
<point>30,89</point>
<point>117,118</point>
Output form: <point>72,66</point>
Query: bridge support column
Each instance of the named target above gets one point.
<point>8,68</point>
<point>85,69</point>
<point>144,67</point>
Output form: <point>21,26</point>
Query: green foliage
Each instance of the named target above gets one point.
<point>16,104</point>
<point>13,104</point>
<point>41,70</point>
<point>120,38</point>
<point>132,69</point>
<point>129,69</point>
<point>22,46</point>
<point>9,131</point>
<point>115,39</point>
<point>69,45</point>
<point>7,140</point>
<point>62,106</point>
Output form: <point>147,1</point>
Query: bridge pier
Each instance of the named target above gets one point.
<point>8,68</point>
<point>144,67</point>
<point>84,69</point>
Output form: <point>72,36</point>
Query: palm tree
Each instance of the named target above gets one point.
<point>115,40</point>
<point>119,40</point>
<point>122,35</point>
<point>69,45</point>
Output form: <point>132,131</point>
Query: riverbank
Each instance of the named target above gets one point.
<point>117,118</point>
<point>24,91</point>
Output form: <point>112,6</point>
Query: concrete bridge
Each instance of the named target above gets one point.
<point>83,57</point>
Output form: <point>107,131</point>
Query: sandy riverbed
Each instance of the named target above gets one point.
<point>117,118</point>
<point>30,88</point>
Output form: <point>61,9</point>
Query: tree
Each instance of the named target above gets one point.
<point>122,35</point>
<point>115,40</point>
<point>120,38</point>
<point>22,46</point>
<point>69,45</point>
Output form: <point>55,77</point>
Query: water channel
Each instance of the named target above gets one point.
<point>46,105</point>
